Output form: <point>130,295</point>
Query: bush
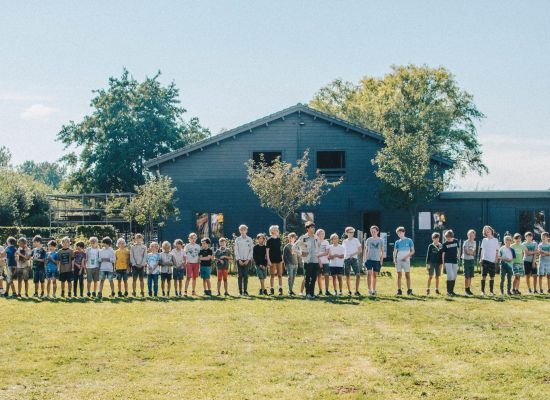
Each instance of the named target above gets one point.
<point>57,232</point>
<point>100,231</point>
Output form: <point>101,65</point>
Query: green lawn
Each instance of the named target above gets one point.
<point>280,348</point>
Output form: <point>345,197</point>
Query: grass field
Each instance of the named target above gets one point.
<point>280,348</point>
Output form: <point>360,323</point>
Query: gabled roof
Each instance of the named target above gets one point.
<point>298,108</point>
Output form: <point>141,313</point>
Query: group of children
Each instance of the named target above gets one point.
<point>322,259</point>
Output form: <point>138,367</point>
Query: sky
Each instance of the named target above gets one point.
<point>236,61</point>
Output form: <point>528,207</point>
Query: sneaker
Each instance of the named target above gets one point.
<point>437,291</point>
<point>340,294</point>
<point>291,293</point>
<point>219,294</point>
<point>150,294</point>
<point>35,294</point>
<point>112,294</point>
<point>309,297</point>
<point>349,294</point>
<point>119,294</point>
<point>535,291</point>
<point>271,291</point>
<point>163,293</point>
<point>280,291</point>
<point>399,292</point>
<point>530,291</point>
<point>62,294</point>
<point>99,295</point>
<point>246,293</point>
<point>226,294</point>
<point>482,294</point>
<point>54,297</point>
<point>320,293</point>
<point>88,294</point>
<point>125,294</point>
<point>374,293</point>
<point>265,292</point>
<point>357,294</point>
<point>327,293</point>
<point>69,295</point>
<point>427,292</point>
<point>142,294</point>
<point>410,292</point>
<point>491,293</point>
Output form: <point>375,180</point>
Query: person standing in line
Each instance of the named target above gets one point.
<point>243,256</point>
<point>374,258</point>
<point>402,253</point>
<point>310,247</point>
<point>489,255</point>
<point>450,254</point>
<point>469,249</point>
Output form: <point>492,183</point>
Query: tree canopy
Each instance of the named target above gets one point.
<point>49,173</point>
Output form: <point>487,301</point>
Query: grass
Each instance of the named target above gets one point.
<point>282,348</point>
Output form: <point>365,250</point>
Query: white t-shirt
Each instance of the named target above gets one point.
<point>490,247</point>
<point>180,257</point>
<point>323,248</point>
<point>192,253</point>
<point>351,246</point>
<point>2,258</point>
<point>336,250</point>
<point>92,258</point>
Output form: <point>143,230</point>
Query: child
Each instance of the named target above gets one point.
<point>79,258</point>
<point>65,266</point>
<point>11,266</point>
<point>517,266</point>
<point>243,256</point>
<point>2,258</point>
<point>433,262</point>
<point>374,258</point>
<point>309,247</point>
<point>489,255</point>
<point>223,255</point>
<point>260,259</point>
<point>336,253</point>
<point>192,250</point>
<point>324,267</point>
<point>530,251</point>
<point>52,268</point>
<point>469,249</point>
<point>544,261</point>
<point>153,259</point>
<point>206,256</point>
<point>166,263</point>
<point>353,249</point>
<point>91,264</point>
<point>107,259</point>
<point>138,261</point>
<point>450,254</point>
<point>179,267</point>
<point>122,265</point>
<point>402,253</point>
<point>290,258</point>
<point>38,265</point>
<point>24,254</point>
<point>506,256</point>
<point>275,258</point>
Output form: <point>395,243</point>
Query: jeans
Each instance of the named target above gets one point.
<point>291,271</point>
<point>312,270</point>
<point>242,271</point>
<point>78,282</point>
<point>505,273</point>
<point>153,284</point>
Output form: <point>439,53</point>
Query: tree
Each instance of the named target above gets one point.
<point>50,173</point>
<point>131,123</point>
<point>285,188</point>
<point>412,100</point>
<point>5,157</point>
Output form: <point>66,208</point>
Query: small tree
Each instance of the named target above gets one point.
<point>285,188</point>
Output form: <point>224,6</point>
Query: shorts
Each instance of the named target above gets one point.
<point>435,269</point>
<point>52,274</point>
<point>138,272</point>
<point>179,273</point>
<point>66,276</point>
<point>488,268</point>
<point>351,264</point>
<point>165,276</point>
<point>122,275</point>
<point>276,268</point>
<point>373,265</point>
<point>92,275</point>
<point>402,266</point>
<point>518,270</point>
<point>469,268</point>
<point>106,275</point>
<point>38,274</point>
<point>192,270</point>
<point>529,268</point>
<point>325,270</point>
<point>261,271</point>
<point>22,273</point>
<point>222,274</point>
<point>206,272</point>
<point>334,271</point>
<point>10,274</point>
<point>544,268</point>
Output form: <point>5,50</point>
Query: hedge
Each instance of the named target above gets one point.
<point>57,232</point>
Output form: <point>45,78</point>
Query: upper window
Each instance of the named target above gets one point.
<point>331,161</point>
<point>268,156</point>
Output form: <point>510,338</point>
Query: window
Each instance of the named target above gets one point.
<point>209,224</point>
<point>532,220</point>
<point>268,156</point>
<point>331,161</point>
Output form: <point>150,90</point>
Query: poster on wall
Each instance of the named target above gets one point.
<point>440,220</point>
<point>384,237</point>
<point>425,220</point>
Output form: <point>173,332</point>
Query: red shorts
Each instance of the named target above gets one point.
<point>192,270</point>
<point>222,274</point>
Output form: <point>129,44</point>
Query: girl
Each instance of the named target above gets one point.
<point>324,268</point>
<point>166,262</point>
<point>153,258</point>
<point>179,268</point>
<point>336,261</point>
<point>260,259</point>
<point>468,258</point>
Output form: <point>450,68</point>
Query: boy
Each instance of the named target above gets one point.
<point>107,260</point>
<point>260,259</point>
<point>309,244</point>
<point>138,261</point>
<point>469,248</point>
<point>517,266</point>
<point>91,264</point>
<point>489,255</point>
<point>65,266</point>
<point>38,265</point>
<point>52,268</point>
<point>274,258</point>
<point>506,256</point>
<point>11,266</point>
<point>402,252</point>
<point>223,255</point>
<point>2,258</point>
<point>529,254</point>
<point>324,268</point>
<point>544,261</point>
<point>122,265</point>
<point>450,254</point>
<point>24,254</point>
<point>192,250</point>
<point>336,261</point>
<point>243,256</point>
<point>353,249</point>
<point>79,264</point>
<point>206,256</point>
<point>374,258</point>
<point>179,267</point>
<point>153,269</point>
<point>433,262</point>
<point>290,258</point>
<point>166,263</point>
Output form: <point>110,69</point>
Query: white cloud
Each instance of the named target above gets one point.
<point>38,111</point>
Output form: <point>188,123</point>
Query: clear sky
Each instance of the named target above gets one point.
<point>235,61</point>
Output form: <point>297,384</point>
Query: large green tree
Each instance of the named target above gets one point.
<point>131,122</point>
<point>50,173</point>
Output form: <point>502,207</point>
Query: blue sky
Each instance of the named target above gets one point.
<point>235,61</point>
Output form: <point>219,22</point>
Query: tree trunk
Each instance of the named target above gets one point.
<point>284,224</point>
<point>413,233</point>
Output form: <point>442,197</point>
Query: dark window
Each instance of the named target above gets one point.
<point>532,220</point>
<point>331,161</point>
<point>268,156</point>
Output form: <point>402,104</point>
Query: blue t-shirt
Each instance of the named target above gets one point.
<point>10,256</point>
<point>52,257</point>
<point>404,244</point>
